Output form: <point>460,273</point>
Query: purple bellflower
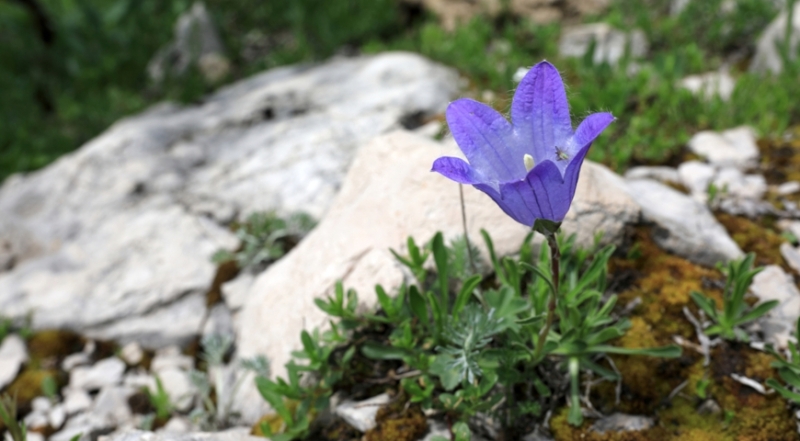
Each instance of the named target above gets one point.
<point>529,166</point>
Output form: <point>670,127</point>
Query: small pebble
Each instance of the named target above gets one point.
<point>361,415</point>
<point>74,360</point>
<point>57,416</point>
<point>788,188</point>
<point>709,407</point>
<point>620,422</point>
<point>41,404</point>
<point>76,400</point>
<point>132,353</point>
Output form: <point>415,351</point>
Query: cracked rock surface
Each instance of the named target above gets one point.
<point>118,235</point>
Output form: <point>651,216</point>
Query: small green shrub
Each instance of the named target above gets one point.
<point>265,237</point>
<point>461,345</point>
<point>735,311</point>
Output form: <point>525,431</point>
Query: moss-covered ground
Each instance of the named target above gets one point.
<point>663,283</point>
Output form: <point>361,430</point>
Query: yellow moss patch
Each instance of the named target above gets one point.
<point>275,421</point>
<point>396,423</point>
<point>664,285</point>
<point>28,385</point>
<point>752,237</point>
<point>664,282</point>
<point>54,343</point>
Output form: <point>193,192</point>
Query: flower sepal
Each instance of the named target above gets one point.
<point>546,227</point>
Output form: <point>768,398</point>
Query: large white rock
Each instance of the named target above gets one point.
<point>661,173</point>
<point>734,147</point>
<point>696,176</point>
<point>104,373</point>
<point>138,435</point>
<point>610,44</point>
<point>768,57</point>
<point>710,84</point>
<point>601,205</point>
<point>684,226</point>
<point>773,283</point>
<point>118,235</point>
<point>178,387</point>
<point>13,353</point>
<point>389,195</point>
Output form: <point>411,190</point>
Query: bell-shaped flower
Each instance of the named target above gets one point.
<point>528,166</point>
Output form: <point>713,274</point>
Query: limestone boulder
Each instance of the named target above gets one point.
<point>115,239</point>
<point>389,195</point>
<point>683,225</point>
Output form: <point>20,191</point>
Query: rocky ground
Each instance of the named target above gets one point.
<point>107,277</point>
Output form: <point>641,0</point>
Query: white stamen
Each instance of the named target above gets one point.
<point>528,160</point>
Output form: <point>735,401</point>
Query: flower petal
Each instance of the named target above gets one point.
<point>486,139</point>
<point>456,169</point>
<point>540,112</point>
<point>543,194</point>
<point>574,169</point>
<point>590,128</point>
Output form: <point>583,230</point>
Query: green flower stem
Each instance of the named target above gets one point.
<point>464,225</point>
<point>555,260</point>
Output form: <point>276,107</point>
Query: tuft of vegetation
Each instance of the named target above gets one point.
<point>8,416</point>
<point>265,238</point>
<point>788,369</point>
<point>462,347</point>
<point>735,312</point>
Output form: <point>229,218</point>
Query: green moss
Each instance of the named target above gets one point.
<point>663,282</point>
<point>398,422</point>
<point>752,237</point>
<point>28,385</point>
<point>53,344</point>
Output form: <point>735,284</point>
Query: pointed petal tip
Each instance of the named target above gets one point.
<point>455,169</point>
<point>592,126</point>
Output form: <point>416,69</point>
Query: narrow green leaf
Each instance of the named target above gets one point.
<point>440,255</point>
<point>466,292</point>
<point>267,390</point>
<point>379,352</point>
<point>670,351</point>
<point>403,260</point>
<point>326,307</point>
<point>575,416</point>
<point>530,320</point>
<point>785,393</point>
<point>542,275</point>
<point>308,344</point>
<point>384,300</point>
<point>757,312</point>
<point>413,252</point>
<point>790,377</point>
<point>706,304</point>
<point>604,335</point>
<point>608,374</point>
<point>417,304</point>
<point>492,255</point>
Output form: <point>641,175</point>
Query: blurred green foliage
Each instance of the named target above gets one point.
<point>58,94</point>
<point>60,91</point>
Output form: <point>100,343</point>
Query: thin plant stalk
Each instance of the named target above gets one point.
<point>555,261</point>
<point>464,225</point>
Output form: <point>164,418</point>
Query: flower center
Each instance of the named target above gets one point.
<point>528,160</point>
<point>561,155</point>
